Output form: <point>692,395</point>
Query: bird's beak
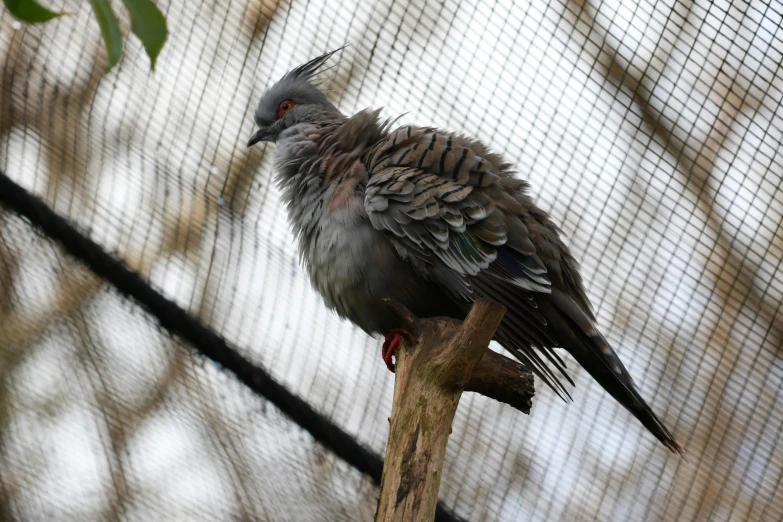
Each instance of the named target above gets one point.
<point>260,135</point>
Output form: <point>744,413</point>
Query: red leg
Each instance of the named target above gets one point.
<point>390,345</point>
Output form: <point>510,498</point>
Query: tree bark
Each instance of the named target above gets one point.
<point>435,361</point>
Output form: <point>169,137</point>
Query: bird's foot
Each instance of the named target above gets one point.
<point>390,345</point>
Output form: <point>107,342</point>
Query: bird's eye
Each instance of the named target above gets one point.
<point>284,107</point>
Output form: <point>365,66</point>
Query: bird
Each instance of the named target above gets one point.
<point>434,220</point>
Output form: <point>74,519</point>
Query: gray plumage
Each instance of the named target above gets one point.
<point>433,220</point>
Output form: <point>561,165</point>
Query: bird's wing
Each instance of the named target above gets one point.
<point>455,211</point>
<point>457,214</point>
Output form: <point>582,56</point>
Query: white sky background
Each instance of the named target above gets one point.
<point>146,166</point>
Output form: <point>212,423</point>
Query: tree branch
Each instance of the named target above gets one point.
<point>435,362</point>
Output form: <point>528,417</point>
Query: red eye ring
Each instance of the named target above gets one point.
<point>284,107</point>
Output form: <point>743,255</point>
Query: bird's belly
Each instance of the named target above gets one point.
<point>355,267</point>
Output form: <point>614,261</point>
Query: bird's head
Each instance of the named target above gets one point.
<point>294,99</point>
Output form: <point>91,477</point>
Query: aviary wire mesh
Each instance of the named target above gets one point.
<point>651,131</point>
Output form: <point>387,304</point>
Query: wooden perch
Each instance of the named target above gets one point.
<point>503,379</point>
<point>437,359</point>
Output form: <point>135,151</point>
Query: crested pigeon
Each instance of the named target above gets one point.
<point>433,220</point>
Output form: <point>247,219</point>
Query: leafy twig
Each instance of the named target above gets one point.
<point>147,23</point>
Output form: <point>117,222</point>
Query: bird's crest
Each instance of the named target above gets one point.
<point>308,70</point>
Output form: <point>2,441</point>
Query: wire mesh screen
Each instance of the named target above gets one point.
<point>651,131</point>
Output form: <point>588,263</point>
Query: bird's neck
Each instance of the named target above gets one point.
<point>297,174</point>
<point>321,173</point>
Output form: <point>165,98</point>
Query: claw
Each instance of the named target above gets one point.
<point>390,345</point>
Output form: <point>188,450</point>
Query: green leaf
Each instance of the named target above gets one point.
<point>149,24</point>
<point>110,29</point>
<point>30,11</point>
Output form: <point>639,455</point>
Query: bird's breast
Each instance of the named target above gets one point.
<point>351,265</point>
<point>345,262</point>
<point>333,255</point>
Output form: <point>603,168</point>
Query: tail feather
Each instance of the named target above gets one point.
<point>605,367</point>
<point>593,353</point>
<point>543,321</point>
